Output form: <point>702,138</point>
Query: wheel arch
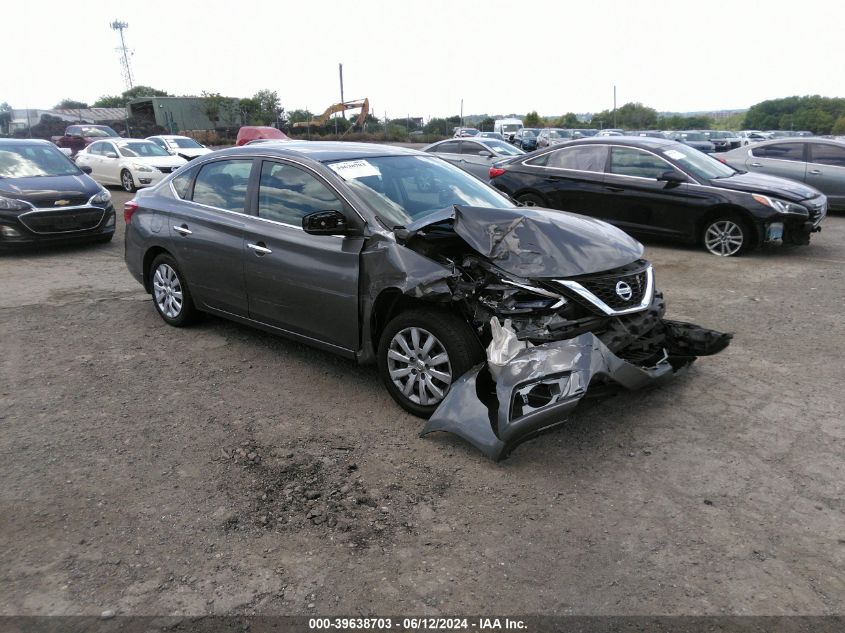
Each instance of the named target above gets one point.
<point>149,256</point>
<point>729,210</point>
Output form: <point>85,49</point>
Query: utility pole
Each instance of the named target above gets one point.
<point>340,69</point>
<point>119,26</point>
<point>614,105</point>
<point>462,112</point>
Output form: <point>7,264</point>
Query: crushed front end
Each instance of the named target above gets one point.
<point>568,333</point>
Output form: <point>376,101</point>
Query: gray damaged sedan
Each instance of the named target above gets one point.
<point>489,319</point>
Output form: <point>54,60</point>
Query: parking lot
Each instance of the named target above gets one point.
<point>219,469</point>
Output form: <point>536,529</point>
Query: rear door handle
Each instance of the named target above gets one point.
<point>259,248</point>
<point>756,165</point>
<point>615,189</point>
<point>183,230</point>
<point>815,172</point>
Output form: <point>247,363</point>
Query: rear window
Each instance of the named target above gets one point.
<point>780,151</point>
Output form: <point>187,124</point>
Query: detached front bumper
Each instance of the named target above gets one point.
<point>542,384</point>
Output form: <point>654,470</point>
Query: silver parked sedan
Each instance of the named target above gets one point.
<point>818,162</point>
<point>475,156</point>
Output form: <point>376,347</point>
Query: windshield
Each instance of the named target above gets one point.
<point>510,127</point>
<point>719,135</point>
<point>403,189</point>
<point>92,132</point>
<point>699,164</point>
<point>26,161</point>
<point>188,143</point>
<point>560,134</point>
<point>148,149</point>
<point>502,148</point>
<point>693,136</point>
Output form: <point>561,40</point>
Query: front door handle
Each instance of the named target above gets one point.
<point>756,165</point>
<point>615,189</point>
<point>183,230</point>
<point>259,248</point>
<point>815,172</point>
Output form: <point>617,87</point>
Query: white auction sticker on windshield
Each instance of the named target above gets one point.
<point>673,153</point>
<point>354,169</point>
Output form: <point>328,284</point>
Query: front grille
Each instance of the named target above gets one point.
<point>167,170</point>
<point>66,201</point>
<point>62,221</point>
<point>612,289</point>
<point>619,290</point>
<point>817,208</point>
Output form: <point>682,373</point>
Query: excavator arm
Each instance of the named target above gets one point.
<point>317,121</point>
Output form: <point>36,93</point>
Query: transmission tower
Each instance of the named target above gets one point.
<point>126,69</point>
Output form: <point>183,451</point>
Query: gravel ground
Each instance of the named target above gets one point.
<point>150,470</point>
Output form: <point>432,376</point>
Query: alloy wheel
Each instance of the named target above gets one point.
<point>167,291</point>
<point>724,238</point>
<point>128,183</point>
<point>419,366</point>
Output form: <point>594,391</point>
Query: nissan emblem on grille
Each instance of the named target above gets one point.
<point>624,290</point>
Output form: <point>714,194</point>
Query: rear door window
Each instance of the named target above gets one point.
<point>629,161</point>
<point>580,158</point>
<point>449,147</point>
<point>827,154</point>
<point>468,147</point>
<point>780,151</point>
<point>223,184</point>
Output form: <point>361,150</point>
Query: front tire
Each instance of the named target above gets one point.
<point>726,236</point>
<point>127,182</point>
<point>421,353</point>
<point>171,296</point>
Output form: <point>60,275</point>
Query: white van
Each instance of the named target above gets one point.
<point>507,127</point>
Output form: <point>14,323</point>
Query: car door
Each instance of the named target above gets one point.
<point>476,159</point>
<point>637,201</point>
<point>92,157</point>
<point>787,160</point>
<point>301,283</point>
<point>826,171</point>
<point>208,234</point>
<point>572,178</point>
<point>110,161</point>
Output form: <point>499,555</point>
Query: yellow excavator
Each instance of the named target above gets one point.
<point>317,121</point>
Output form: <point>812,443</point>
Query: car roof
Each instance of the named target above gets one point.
<point>323,151</point>
<point>27,141</point>
<point>650,142</point>
<point>167,136</point>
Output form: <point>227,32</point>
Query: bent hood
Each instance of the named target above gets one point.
<point>755,182</point>
<point>536,243</point>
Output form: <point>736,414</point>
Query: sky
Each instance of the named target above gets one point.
<point>421,58</point>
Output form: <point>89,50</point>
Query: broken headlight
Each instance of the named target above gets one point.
<point>513,298</point>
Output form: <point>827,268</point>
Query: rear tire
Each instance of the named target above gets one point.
<point>726,236</point>
<point>171,296</point>
<point>421,353</point>
<point>532,200</point>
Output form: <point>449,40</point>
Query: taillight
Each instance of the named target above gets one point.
<point>496,171</point>
<point>721,160</point>
<point>129,209</point>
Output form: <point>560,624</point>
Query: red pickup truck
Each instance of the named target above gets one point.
<point>80,136</point>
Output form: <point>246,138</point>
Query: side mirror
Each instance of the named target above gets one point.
<point>485,154</point>
<point>325,223</point>
<point>86,169</point>
<point>672,177</point>
<point>111,155</point>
